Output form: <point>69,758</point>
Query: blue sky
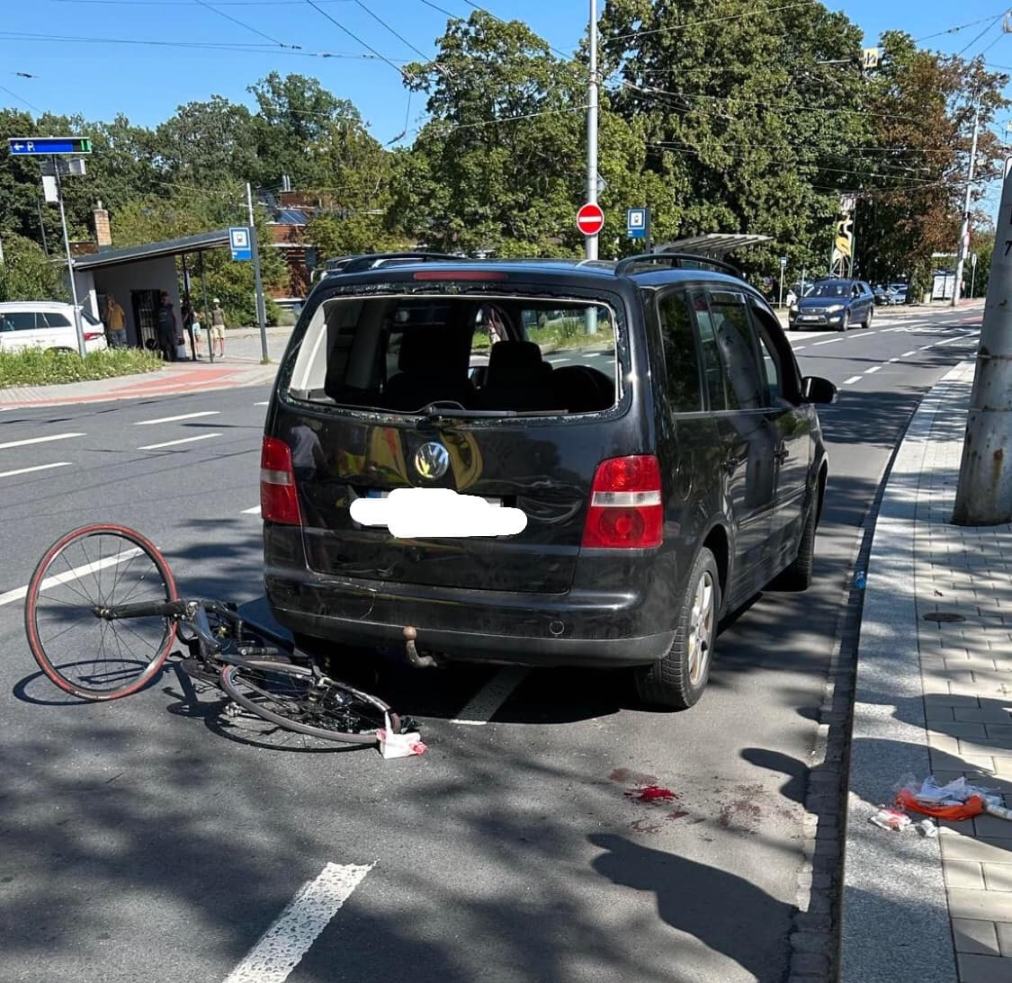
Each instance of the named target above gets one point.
<point>147,82</point>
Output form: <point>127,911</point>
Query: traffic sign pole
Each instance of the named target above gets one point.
<point>590,242</point>
<point>261,307</point>
<point>70,263</point>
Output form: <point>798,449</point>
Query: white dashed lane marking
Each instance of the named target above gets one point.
<point>908,354</point>
<point>284,944</point>
<point>851,380</point>
<point>253,511</point>
<point>874,368</point>
<point>832,341</point>
<point>173,443</point>
<point>173,419</point>
<point>39,440</point>
<point>19,593</point>
<point>483,705</point>
<point>37,467</point>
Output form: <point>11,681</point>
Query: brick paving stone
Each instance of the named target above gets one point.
<point>984,969</point>
<point>992,905</point>
<point>976,935</point>
<point>1004,930</point>
<point>998,877</point>
<point>963,874</point>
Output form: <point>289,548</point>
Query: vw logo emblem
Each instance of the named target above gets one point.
<point>432,460</point>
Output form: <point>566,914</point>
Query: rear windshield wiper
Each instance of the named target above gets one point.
<point>441,410</point>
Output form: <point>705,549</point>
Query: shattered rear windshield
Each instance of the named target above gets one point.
<point>479,354</point>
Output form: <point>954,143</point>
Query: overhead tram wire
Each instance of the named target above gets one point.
<point>958,28</point>
<point>982,33</point>
<point>234,46</point>
<point>355,37</point>
<point>23,101</point>
<point>245,26</point>
<point>400,37</point>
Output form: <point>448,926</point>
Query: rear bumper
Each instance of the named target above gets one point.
<point>574,629</point>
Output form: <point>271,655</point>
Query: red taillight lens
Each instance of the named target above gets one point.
<point>626,511</point>
<point>279,498</point>
<point>92,335</point>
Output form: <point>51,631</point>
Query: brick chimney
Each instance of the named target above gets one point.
<point>103,235</point>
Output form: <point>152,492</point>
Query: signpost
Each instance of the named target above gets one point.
<point>54,147</point>
<point>239,240</point>
<point>590,219</point>
<point>637,224</point>
<point>46,146</point>
<point>783,266</point>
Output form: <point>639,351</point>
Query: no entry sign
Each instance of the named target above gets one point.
<point>590,219</point>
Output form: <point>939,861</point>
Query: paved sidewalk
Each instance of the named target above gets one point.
<point>933,696</point>
<point>177,377</point>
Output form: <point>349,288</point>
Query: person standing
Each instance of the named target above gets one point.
<point>167,331</point>
<point>218,327</point>
<point>189,318</point>
<point>115,323</point>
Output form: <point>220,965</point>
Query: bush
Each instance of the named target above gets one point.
<point>41,367</point>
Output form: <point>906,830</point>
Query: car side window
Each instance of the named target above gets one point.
<point>771,372</point>
<point>680,352</point>
<point>19,321</point>
<point>713,372</point>
<point>737,347</point>
<point>53,320</point>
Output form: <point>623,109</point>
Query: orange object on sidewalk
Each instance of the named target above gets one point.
<point>973,806</point>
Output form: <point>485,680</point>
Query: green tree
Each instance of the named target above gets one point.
<point>27,274</point>
<point>923,106</point>
<point>742,116</point>
<point>208,141</point>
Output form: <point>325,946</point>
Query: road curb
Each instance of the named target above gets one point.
<point>894,915</point>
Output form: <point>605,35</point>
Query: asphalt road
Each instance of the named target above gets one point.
<point>148,840</point>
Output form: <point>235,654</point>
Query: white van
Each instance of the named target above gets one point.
<point>47,324</point>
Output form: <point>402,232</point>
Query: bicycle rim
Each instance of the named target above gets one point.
<point>290,697</point>
<point>83,654</point>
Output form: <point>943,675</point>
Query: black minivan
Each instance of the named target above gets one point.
<point>546,463</point>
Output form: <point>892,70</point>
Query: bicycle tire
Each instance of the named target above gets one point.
<point>151,665</point>
<point>232,683</point>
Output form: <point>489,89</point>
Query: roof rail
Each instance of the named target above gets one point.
<point>368,261</point>
<point>680,261</point>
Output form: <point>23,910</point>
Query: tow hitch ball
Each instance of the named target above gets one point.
<point>418,659</point>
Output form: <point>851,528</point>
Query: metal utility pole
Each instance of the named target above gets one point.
<point>261,308</point>
<point>964,231</point>
<point>984,495</point>
<point>70,261</point>
<point>592,85</point>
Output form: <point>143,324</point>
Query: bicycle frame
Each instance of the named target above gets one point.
<point>191,615</point>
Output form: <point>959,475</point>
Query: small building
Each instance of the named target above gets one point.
<point>137,276</point>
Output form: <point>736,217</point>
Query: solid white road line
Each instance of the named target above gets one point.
<point>38,467</point>
<point>264,403</point>
<point>281,947</point>
<point>39,440</point>
<point>182,440</point>
<point>253,511</point>
<point>798,348</point>
<point>491,696</point>
<point>19,593</point>
<point>832,341</point>
<point>909,353</point>
<point>172,419</point>
<point>851,380</point>
<point>874,368</point>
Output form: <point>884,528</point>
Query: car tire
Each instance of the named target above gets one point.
<point>798,576</point>
<point>677,680</point>
<point>866,323</point>
<point>845,323</point>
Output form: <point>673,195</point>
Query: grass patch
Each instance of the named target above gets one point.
<point>44,367</point>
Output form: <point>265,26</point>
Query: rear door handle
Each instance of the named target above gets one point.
<point>781,454</point>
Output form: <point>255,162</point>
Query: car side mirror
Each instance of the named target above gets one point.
<point>815,389</point>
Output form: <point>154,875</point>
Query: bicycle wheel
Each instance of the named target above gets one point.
<point>292,697</point>
<point>82,653</point>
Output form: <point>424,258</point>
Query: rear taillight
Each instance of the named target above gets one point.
<point>93,335</point>
<point>625,504</point>
<point>279,498</point>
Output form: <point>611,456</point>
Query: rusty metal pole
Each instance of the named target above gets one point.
<point>984,495</point>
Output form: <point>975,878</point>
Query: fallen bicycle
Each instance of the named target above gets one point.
<point>103,614</point>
